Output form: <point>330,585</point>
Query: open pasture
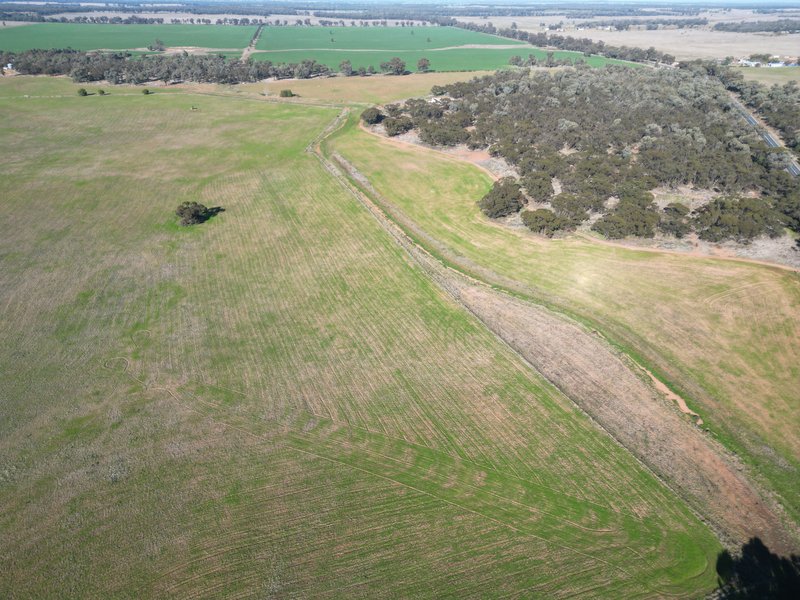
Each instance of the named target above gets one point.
<point>277,402</point>
<point>372,90</point>
<point>722,334</point>
<point>770,75</point>
<point>87,36</point>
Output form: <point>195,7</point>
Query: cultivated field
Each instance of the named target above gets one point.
<point>374,38</point>
<point>277,402</point>
<point>771,75</point>
<point>462,59</point>
<point>447,48</point>
<point>85,36</point>
<point>723,334</point>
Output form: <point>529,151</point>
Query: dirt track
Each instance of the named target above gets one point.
<point>588,371</point>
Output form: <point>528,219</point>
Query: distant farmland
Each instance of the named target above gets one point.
<point>86,36</point>
<point>374,38</point>
<point>461,59</point>
<point>447,48</point>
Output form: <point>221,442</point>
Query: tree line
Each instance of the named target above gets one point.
<point>121,67</point>
<point>650,24</point>
<point>777,26</point>
<point>605,139</point>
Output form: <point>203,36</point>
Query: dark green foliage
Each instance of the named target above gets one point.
<point>571,208</point>
<point>395,66</point>
<point>634,215</point>
<point>83,92</point>
<point>442,134</point>
<point>191,213</point>
<point>346,68</point>
<point>372,116</point>
<point>146,92</point>
<point>393,110</point>
<point>397,125</point>
<point>101,92</point>
<point>121,67</point>
<point>675,220</point>
<point>286,94</point>
<point>503,199</point>
<point>740,219</point>
<point>538,185</point>
<point>544,221</point>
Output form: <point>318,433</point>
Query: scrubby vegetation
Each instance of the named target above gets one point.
<point>609,137</point>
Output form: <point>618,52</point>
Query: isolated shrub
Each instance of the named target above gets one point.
<point>145,91</point>
<point>192,213</point>
<point>503,199</point>
<point>101,92</point>
<point>396,126</point>
<point>83,92</point>
<point>286,94</point>
<point>372,116</point>
<point>544,221</point>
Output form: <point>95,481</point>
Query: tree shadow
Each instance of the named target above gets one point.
<point>211,212</point>
<point>758,573</point>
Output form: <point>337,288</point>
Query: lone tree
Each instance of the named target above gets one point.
<point>395,66</point>
<point>372,116</point>
<point>192,213</point>
<point>346,67</point>
<point>423,65</point>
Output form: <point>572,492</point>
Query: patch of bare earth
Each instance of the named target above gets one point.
<point>494,166</point>
<point>607,388</point>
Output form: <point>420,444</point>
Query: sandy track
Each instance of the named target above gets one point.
<point>587,370</point>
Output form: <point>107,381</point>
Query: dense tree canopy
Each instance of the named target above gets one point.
<point>608,137</point>
<point>121,67</point>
